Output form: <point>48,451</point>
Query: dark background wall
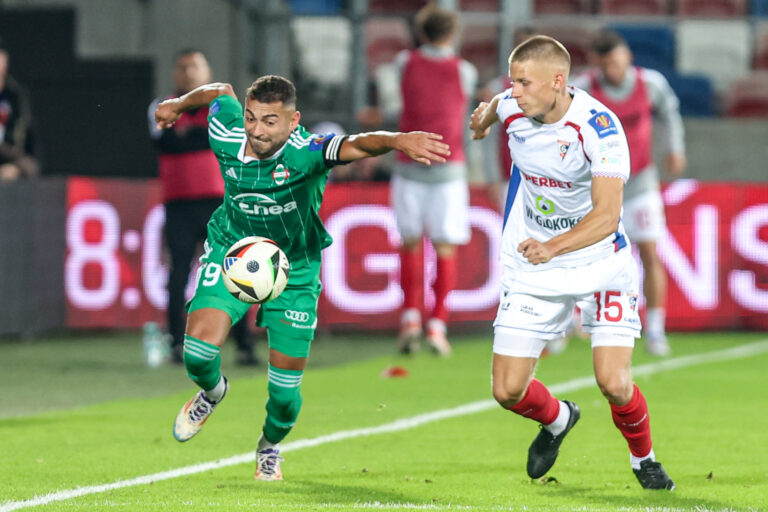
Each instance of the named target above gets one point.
<point>91,116</point>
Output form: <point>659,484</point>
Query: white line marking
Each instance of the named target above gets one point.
<point>402,424</point>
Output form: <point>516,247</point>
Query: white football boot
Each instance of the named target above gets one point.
<point>194,414</point>
<point>268,465</point>
<point>436,337</point>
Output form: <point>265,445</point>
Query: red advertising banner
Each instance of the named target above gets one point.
<point>715,251</point>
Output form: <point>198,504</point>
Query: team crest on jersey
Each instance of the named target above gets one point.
<point>562,146</point>
<point>632,301</point>
<point>603,124</point>
<point>280,174</point>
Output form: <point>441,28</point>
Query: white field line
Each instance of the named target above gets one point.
<point>395,426</point>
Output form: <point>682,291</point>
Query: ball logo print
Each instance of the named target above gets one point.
<point>255,270</point>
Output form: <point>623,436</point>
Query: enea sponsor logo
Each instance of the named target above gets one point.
<point>280,174</point>
<point>603,124</point>
<point>259,204</point>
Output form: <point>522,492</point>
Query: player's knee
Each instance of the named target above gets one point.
<point>616,387</point>
<point>507,393</point>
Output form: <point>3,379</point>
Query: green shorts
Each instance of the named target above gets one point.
<point>290,319</point>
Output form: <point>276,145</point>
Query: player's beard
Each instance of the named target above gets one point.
<point>262,148</point>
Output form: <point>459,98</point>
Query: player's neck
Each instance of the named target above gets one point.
<point>558,109</point>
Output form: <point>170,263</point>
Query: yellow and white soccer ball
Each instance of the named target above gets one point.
<point>255,270</point>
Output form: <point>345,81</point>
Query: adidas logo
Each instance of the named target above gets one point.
<point>231,173</point>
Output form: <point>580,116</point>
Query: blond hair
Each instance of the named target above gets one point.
<point>542,48</point>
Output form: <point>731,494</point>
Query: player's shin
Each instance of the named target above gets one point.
<point>284,403</point>
<point>634,424</point>
<point>203,363</point>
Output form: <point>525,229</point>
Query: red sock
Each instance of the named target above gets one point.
<point>445,281</point>
<point>538,404</point>
<point>633,422</point>
<point>411,279</point>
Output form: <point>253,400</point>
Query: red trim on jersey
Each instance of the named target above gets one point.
<point>581,139</point>
<point>511,118</point>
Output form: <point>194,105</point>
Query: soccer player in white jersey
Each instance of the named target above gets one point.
<point>563,244</point>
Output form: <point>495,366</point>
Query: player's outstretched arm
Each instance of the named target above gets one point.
<point>169,111</point>
<point>423,147</point>
<point>600,222</point>
<point>483,117</point>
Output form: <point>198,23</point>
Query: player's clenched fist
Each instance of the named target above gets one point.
<point>167,113</point>
<point>534,251</point>
<point>474,122</point>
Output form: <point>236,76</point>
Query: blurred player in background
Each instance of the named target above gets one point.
<point>267,158</point>
<point>192,190</point>
<point>430,89</point>
<point>637,95</point>
<point>564,243</point>
<point>17,144</point>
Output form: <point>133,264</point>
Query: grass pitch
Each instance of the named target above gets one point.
<point>81,413</point>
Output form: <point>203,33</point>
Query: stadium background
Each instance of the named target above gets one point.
<point>92,221</point>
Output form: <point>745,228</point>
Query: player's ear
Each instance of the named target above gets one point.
<point>560,81</point>
<point>295,118</point>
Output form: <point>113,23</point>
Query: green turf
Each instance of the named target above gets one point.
<point>709,425</point>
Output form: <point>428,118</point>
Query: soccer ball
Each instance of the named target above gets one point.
<point>255,270</point>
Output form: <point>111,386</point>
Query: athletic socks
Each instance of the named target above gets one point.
<point>633,423</point>
<point>411,279</point>
<point>203,363</point>
<point>217,393</point>
<point>283,404</point>
<point>538,404</point>
<point>445,281</point>
<point>654,322</point>
<point>557,426</point>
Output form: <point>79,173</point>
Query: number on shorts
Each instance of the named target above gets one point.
<point>211,273</point>
<point>608,305</point>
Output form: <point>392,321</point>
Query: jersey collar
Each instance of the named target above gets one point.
<point>249,159</point>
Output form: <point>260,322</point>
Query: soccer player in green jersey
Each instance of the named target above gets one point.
<point>274,172</point>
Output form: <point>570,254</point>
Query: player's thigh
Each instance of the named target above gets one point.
<point>291,320</point>
<point>210,291</point>
<point>408,199</point>
<point>643,217</point>
<point>447,217</point>
<point>612,307</point>
<point>526,313</point>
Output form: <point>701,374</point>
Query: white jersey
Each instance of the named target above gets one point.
<point>550,188</point>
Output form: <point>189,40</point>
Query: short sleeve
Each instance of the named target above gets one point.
<point>605,144</point>
<point>507,107</point>
<point>225,124</point>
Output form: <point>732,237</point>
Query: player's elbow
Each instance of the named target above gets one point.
<point>223,89</point>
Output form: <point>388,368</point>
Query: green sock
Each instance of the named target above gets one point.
<point>284,402</point>
<point>203,362</point>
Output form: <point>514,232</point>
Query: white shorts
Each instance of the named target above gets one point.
<point>440,209</point>
<point>539,304</point>
<point>644,218</point>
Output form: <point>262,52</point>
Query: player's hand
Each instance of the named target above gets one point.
<point>424,147</point>
<point>535,251</point>
<point>675,164</point>
<point>474,122</point>
<point>167,113</point>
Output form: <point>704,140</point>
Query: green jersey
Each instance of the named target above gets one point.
<point>279,197</point>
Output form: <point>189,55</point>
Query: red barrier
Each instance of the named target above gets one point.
<point>716,252</point>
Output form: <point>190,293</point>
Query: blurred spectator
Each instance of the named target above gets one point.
<point>17,155</point>
<point>192,189</point>
<point>429,89</point>
<point>638,95</point>
<point>497,164</point>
